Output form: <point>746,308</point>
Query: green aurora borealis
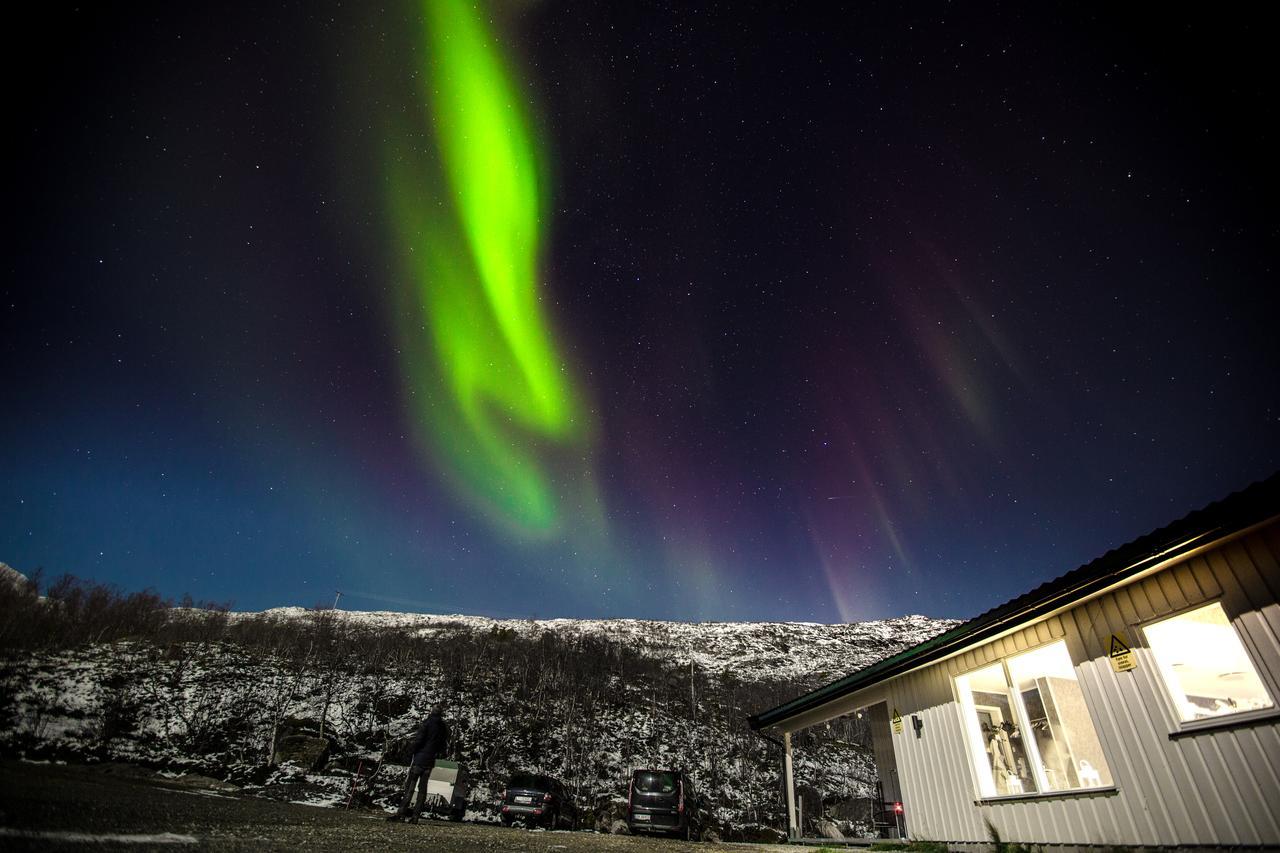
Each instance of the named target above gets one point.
<point>492,397</point>
<point>668,311</point>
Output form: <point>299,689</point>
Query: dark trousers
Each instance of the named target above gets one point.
<point>418,775</point>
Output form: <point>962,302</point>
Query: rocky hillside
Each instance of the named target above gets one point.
<point>759,652</point>
<point>300,704</point>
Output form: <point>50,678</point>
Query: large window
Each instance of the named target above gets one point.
<point>1205,666</point>
<point>1028,728</point>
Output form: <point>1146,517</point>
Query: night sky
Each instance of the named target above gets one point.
<point>733,311</point>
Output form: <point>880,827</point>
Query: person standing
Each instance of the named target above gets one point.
<point>431,741</point>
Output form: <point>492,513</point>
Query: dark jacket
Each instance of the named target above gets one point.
<point>431,741</point>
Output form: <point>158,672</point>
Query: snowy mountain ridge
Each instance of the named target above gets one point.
<point>752,651</point>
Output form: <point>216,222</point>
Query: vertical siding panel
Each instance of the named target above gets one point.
<point>1247,779</point>
<point>1136,602</point>
<point>940,735</point>
<point>1131,770</point>
<point>1265,742</point>
<point>952,741</point>
<point>919,700</point>
<point>949,743</point>
<point>1205,576</point>
<point>924,792</point>
<point>925,747</point>
<point>1188,584</point>
<point>1091,629</point>
<point>1125,607</point>
<point>1248,590</point>
<point>989,653</point>
<point>1142,738</point>
<point>1158,604</point>
<point>1261,562</point>
<point>936,749</point>
<point>1208,780</point>
<point>1170,589</point>
<point>927,793</point>
<point>1126,821</point>
<point>1053,818</point>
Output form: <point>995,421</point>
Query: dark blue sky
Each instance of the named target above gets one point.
<point>872,313</point>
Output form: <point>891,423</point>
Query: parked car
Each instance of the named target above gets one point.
<point>534,799</point>
<point>664,801</point>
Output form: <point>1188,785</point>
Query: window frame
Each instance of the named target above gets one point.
<point>1020,712</point>
<point>1179,727</point>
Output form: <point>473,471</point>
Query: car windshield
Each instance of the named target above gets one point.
<point>528,780</point>
<point>652,782</point>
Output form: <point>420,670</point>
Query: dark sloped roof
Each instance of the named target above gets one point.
<point>1236,512</point>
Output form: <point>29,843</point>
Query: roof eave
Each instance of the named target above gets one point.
<point>1251,507</point>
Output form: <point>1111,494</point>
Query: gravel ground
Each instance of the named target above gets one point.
<point>71,807</point>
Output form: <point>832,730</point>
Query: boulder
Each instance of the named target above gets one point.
<point>761,834</point>
<point>828,829</point>
<point>303,750</point>
<point>392,706</point>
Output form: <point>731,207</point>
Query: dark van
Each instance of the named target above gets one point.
<point>662,801</point>
<point>537,800</point>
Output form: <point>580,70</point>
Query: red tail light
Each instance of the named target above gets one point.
<point>897,808</point>
<point>630,787</point>
<point>680,807</point>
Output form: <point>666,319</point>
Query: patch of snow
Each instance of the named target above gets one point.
<point>96,838</point>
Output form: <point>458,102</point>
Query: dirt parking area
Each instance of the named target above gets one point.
<point>70,807</point>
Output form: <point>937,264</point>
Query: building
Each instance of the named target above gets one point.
<point>1131,701</point>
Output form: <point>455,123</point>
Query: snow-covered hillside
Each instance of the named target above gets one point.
<point>294,704</point>
<point>752,651</point>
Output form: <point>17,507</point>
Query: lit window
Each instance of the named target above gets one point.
<point>1205,666</point>
<point>1028,728</point>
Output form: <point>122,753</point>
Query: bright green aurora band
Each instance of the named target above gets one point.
<point>485,382</point>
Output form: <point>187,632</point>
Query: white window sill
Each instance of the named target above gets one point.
<point>1226,721</point>
<point>1047,795</point>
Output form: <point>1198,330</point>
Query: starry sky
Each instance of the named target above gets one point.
<point>667,310</point>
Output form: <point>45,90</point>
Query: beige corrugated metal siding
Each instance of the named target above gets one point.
<point>1217,787</point>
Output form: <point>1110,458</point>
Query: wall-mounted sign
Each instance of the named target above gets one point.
<point>1121,654</point>
<point>897,722</point>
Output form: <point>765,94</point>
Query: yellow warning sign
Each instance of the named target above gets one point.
<point>1121,654</point>
<point>897,722</point>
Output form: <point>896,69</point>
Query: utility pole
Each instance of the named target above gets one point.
<point>337,593</point>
